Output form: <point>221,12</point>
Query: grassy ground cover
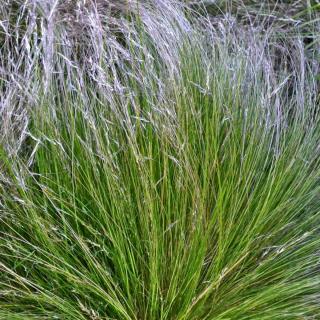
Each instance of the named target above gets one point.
<point>159,160</point>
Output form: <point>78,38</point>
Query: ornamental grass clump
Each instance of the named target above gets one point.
<point>156,165</point>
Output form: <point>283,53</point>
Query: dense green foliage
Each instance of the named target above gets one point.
<point>169,169</point>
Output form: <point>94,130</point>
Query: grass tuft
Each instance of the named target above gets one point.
<point>157,163</point>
